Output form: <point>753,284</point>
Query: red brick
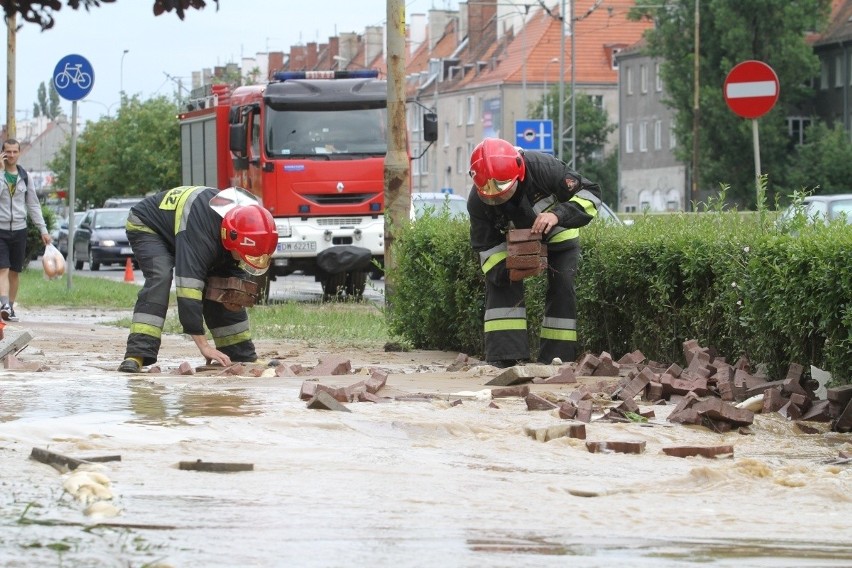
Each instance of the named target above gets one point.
<point>703,451</point>
<point>324,401</point>
<point>584,411</point>
<point>520,235</point>
<point>587,365</point>
<point>607,367</point>
<point>653,392</point>
<point>772,400</point>
<point>331,365</point>
<point>633,358</point>
<point>308,390</point>
<point>535,402</point>
<point>818,412</point>
<point>519,390</point>
<point>717,409</point>
<point>843,423</point>
<point>567,410</point>
<point>563,377</point>
<point>616,447</point>
<point>378,379</point>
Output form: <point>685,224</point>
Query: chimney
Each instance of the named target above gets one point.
<point>311,55</point>
<point>481,15</point>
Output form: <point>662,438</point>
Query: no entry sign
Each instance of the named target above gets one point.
<point>751,89</point>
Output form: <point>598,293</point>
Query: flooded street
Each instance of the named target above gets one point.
<point>410,482</point>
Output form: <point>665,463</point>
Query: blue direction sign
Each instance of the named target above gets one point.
<point>534,135</point>
<point>73,77</point>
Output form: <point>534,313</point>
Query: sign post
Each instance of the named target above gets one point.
<point>73,78</point>
<point>751,90</point>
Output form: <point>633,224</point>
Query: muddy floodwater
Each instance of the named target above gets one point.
<point>416,481</point>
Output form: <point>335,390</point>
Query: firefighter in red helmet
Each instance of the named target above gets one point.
<point>514,189</point>
<point>191,233</point>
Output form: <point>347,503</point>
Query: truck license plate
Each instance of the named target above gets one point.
<point>126,250</point>
<point>299,246</point>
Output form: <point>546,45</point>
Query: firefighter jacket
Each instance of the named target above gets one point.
<point>191,229</point>
<point>549,185</point>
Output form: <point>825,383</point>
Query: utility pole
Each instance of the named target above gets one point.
<point>397,169</point>
<point>11,128</point>
<point>696,115</point>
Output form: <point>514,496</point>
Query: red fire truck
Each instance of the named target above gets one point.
<point>311,146</point>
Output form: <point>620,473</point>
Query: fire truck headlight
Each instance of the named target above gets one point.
<point>284,230</point>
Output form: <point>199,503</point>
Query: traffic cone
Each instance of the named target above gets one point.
<point>128,271</point>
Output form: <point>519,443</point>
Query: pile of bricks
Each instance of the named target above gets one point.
<point>527,255</point>
<point>707,390</point>
<point>235,293</point>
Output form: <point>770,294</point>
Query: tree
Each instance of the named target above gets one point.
<point>45,106</point>
<point>593,130</point>
<point>41,11</point>
<point>824,161</point>
<point>53,109</point>
<point>772,31</point>
<point>135,153</point>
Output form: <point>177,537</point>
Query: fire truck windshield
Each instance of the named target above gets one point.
<point>332,133</point>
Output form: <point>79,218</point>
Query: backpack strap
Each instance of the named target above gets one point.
<point>22,173</point>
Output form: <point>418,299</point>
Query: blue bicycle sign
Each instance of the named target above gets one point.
<point>73,77</point>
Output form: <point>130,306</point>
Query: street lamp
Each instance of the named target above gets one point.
<point>121,78</point>
<point>108,108</point>
<point>554,60</point>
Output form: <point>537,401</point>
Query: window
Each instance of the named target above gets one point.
<point>643,79</point>
<point>461,162</point>
<point>446,134</point>
<point>849,70</point>
<point>643,136</point>
<point>658,78</point>
<point>672,136</point>
<point>838,71</point>
<point>823,75</point>
<point>414,119</point>
<point>597,101</point>
<point>628,80</point>
<point>658,134</point>
<point>460,112</point>
<point>471,110</point>
<point>615,52</point>
<point>796,127</point>
<point>628,137</point>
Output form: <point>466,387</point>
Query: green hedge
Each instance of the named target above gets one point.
<point>733,282</point>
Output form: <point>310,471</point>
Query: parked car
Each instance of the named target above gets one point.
<point>60,239</point>
<point>825,208</point>
<point>437,203</point>
<point>123,202</point>
<point>101,238</point>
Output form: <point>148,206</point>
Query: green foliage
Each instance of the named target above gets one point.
<point>134,153</point>
<point>730,281</point>
<point>437,286</point>
<point>593,126</point>
<point>34,244</point>
<point>824,160</point>
<point>773,31</point>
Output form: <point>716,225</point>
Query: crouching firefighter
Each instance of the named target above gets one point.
<point>195,233</point>
<point>514,189</point>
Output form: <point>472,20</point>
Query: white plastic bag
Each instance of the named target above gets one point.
<point>53,262</point>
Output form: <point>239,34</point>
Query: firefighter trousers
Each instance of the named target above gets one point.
<point>157,263</point>
<point>506,336</point>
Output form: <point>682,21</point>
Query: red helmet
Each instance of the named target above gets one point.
<point>249,230</point>
<point>496,168</point>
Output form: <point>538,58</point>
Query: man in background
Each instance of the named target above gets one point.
<point>17,200</point>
